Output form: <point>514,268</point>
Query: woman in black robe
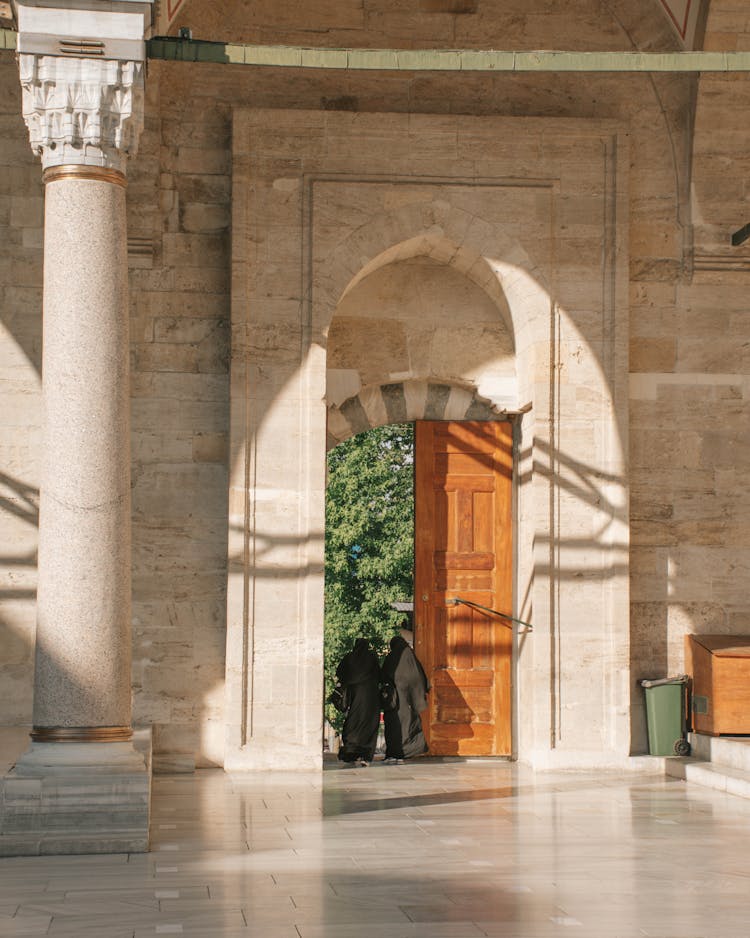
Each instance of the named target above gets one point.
<point>404,738</point>
<point>358,675</point>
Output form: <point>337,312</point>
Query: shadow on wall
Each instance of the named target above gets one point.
<point>568,558</point>
<point>576,481</point>
<point>17,597</point>
<point>650,654</point>
<point>23,503</point>
<point>179,534</point>
<point>264,546</point>
<point>191,634</point>
<point>574,477</point>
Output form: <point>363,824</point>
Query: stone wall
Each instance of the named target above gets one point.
<point>357,213</point>
<point>21,229</point>
<point>690,398</point>
<point>657,180</point>
<point>178,225</point>
<point>690,543</point>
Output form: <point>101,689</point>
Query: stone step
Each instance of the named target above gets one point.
<point>730,751</point>
<point>718,762</point>
<point>719,777</point>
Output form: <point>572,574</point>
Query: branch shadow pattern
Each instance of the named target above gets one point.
<point>18,501</point>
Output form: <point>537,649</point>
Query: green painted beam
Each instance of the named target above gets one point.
<point>446,60</point>
<point>433,60</point>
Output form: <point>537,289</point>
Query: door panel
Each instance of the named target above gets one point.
<point>463,478</point>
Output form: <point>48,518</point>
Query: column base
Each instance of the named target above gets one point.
<point>74,798</point>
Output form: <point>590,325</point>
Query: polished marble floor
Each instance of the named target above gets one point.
<point>422,850</point>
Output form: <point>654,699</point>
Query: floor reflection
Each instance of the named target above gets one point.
<point>447,849</point>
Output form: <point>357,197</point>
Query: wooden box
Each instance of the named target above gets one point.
<point>720,668</point>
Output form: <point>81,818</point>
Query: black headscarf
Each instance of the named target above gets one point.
<point>361,664</point>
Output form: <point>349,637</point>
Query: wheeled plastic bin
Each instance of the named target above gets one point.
<point>666,716</point>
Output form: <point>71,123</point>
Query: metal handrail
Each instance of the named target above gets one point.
<point>458,601</point>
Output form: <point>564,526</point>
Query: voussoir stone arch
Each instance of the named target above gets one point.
<point>404,402</point>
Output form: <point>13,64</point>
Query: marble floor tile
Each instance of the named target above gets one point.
<point>24,924</point>
<point>406,930</point>
<point>426,850</point>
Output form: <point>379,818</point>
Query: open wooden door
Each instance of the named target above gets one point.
<point>463,548</point>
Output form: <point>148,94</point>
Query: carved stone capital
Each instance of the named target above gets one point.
<point>82,111</point>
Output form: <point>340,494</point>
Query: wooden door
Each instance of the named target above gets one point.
<point>463,548</point>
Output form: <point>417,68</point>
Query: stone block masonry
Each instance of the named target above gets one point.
<point>180,399</point>
<point>686,457</point>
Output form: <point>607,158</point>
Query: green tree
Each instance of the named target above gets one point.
<point>369,553</point>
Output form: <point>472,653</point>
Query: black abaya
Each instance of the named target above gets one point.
<point>404,738</point>
<point>358,674</point>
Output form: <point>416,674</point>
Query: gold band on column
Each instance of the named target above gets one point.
<point>76,171</point>
<point>81,734</point>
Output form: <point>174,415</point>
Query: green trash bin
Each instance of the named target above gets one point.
<point>665,715</point>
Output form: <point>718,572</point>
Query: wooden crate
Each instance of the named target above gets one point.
<point>719,666</point>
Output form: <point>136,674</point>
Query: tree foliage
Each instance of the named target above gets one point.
<point>369,554</point>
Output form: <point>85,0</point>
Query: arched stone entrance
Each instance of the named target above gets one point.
<point>539,242</point>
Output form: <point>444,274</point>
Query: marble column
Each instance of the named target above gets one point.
<point>82,679</point>
<point>82,787</point>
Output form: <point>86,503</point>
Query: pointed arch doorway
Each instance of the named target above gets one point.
<point>463,549</point>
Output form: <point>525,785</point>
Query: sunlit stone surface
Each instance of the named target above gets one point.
<point>462,850</point>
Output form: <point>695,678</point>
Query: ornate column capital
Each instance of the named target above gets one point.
<point>82,64</point>
<point>82,111</point>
